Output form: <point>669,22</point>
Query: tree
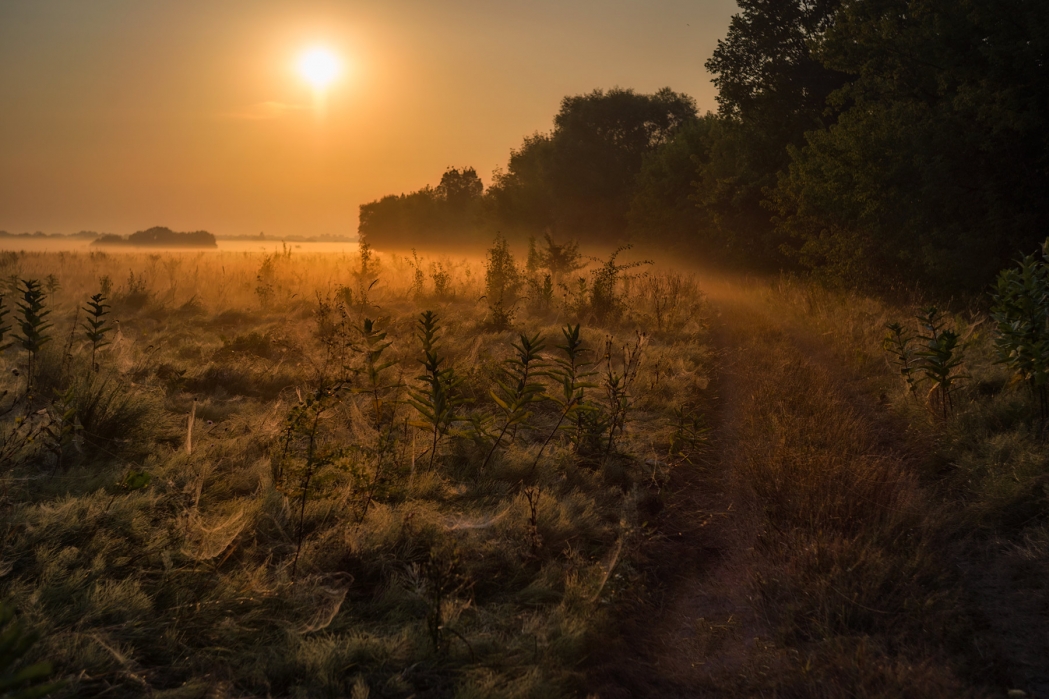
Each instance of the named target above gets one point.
<point>447,214</point>
<point>578,180</point>
<point>939,163</point>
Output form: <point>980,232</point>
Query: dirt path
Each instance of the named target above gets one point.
<point>747,607</point>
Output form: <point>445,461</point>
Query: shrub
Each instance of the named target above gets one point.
<point>1021,312</point>
<point>502,280</point>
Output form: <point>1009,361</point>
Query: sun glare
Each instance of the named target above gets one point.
<point>319,67</point>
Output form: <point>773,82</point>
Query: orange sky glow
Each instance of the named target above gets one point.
<point>118,115</point>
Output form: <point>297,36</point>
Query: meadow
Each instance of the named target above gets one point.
<point>524,474</point>
<point>295,474</point>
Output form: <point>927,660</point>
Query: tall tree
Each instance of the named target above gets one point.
<point>580,178</point>
<point>772,88</point>
<point>940,164</point>
<point>448,214</point>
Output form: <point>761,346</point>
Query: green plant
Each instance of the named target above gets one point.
<point>418,278</point>
<point>378,388</point>
<point>441,280</point>
<point>34,324</point>
<point>518,391</point>
<point>605,301</point>
<point>137,294</point>
<point>618,384</point>
<point>502,280</point>
<point>690,433</point>
<point>1021,314</point>
<point>436,399</point>
<point>532,494</point>
<point>934,355</point>
<point>559,259</point>
<point>29,681</point>
<point>305,453</point>
<point>897,343</point>
<point>63,429</point>
<point>939,358</point>
<point>5,327</point>
<point>96,325</point>
<point>570,372</point>
<point>441,578</point>
<point>541,293</point>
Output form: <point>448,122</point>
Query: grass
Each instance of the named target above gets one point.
<point>317,540</point>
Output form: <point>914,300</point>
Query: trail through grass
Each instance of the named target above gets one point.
<point>816,552</point>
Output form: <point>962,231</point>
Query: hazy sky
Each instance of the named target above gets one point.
<point>117,115</point>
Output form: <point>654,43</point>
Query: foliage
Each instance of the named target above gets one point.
<point>605,300</point>
<point>618,384</point>
<point>933,355</point>
<point>937,164</point>
<point>502,281</point>
<point>1021,313</point>
<point>518,390</point>
<point>305,455</point>
<point>571,373</point>
<point>580,177</point>
<point>96,325</point>
<point>446,213</point>
<point>33,324</point>
<point>5,327</point>
<point>436,398</point>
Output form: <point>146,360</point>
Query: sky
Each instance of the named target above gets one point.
<point>118,115</point>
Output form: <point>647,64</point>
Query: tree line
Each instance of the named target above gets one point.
<point>872,141</point>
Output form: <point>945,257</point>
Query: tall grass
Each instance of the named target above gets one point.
<point>300,547</point>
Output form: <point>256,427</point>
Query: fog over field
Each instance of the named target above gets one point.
<point>525,350</point>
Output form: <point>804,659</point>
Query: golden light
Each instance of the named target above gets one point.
<point>319,67</point>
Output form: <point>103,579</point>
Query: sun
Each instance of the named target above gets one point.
<point>319,67</point>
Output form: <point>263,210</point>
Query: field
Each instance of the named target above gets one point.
<point>247,474</point>
<point>517,475</point>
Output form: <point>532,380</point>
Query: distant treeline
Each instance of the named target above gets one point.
<point>87,235</point>
<point>873,141</point>
<point>161,237</point>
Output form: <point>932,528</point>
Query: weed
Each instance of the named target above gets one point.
<point>61,434</point>
<point>34,325</point>
<point>436,399</point>
<point>501,283</point>
<point>441,280</point>
<point>535,540</point>
<point>1021,312</point>
<point>518,391</point>
<point>933,356</point>
<point>618,385</point>
<point>939,358</point>
<point>898,344</point>
<point>570,372</point>
<point>560,259</point>
<point>5,327</point>
<point>305,454</point>
<point>441,578</point>
<point>378,388</point>
<point>605,301</point>
<point>95,326</point>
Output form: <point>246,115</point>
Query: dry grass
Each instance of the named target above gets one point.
<point>193,586</point>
